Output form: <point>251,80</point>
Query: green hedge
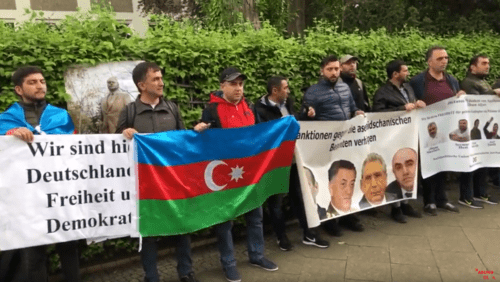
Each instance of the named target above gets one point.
<point>194,56</point>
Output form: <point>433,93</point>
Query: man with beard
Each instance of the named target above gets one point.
<point>431,86</point>
<point>374,182</point>
<point>331,99</point>
<point>31,116</point>
<point>397,95</point>
<point>475,133</point>
<point>277,104</point>
<point>473,184</point>
<point>342,177</point>
<point>460,134</point>
<point>348,74</point>
<point>435,138</point>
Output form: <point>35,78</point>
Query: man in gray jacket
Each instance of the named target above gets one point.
<point>150,113</point>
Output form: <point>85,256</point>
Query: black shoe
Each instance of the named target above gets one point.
<point>189,278</point>
<point>351,223</point>
<point>449,207</point>
<point>431,209</point>
<point>410,211</point>
<point>315,240</point>
<point>397,215</point>
<point>265,264</point>
<point>284,243</point>
<point>332,228</point>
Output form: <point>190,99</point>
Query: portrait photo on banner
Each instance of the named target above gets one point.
<point>98,94</point>
<point>355,165</point>
<point>459,134</point>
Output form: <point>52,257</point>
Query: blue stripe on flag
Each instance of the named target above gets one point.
<point>187,146</point>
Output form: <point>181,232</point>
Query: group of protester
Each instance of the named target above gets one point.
<point>339,95</point>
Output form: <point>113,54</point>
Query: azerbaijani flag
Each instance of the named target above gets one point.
<point>189,181</point>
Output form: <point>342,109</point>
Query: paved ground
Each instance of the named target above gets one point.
<point>449,247</point>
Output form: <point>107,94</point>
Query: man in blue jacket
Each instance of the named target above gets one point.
<point>431,86</point>
<point>331,99</point>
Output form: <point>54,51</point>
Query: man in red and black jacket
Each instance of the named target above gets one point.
<point>228,109</point>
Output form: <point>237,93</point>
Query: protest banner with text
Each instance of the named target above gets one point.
<point>460,134</point>
<point>64,187</point>
<point>349,166</point>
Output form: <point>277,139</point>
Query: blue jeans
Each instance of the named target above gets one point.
<point>149,254</point>
<point>473,184</point>
<point>255,239</point>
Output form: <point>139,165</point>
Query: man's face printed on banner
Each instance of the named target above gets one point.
<point>432,130</point>
<point>374,181</point>
<point>341,188</point>
<point>404,167</point>
<point>462,124</point>
<point>311,182</point>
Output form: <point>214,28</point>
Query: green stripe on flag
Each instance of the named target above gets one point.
<point>171,217</point>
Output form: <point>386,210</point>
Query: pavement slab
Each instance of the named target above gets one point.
<point>414,273</point>
<point>419,257</point>
<point>448,248</point>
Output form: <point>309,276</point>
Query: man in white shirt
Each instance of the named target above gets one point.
<point>461,134</point>
<point>435,138</point>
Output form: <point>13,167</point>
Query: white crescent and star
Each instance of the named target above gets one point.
<point>236,174</point>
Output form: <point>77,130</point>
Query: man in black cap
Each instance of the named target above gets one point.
<point>348,74</point>
<point>228,109</point>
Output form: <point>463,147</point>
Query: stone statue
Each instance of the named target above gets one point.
<point>112,105</point>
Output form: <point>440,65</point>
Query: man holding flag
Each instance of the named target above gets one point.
<point>31,116</point>
<point>228,109</point>
<point>150,113</point>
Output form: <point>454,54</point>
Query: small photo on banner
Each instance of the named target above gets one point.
<point>459,134</point>
<point>349,166</point>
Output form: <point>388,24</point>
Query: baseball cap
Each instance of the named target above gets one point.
<point>346,58</point>
<point>231,74</point>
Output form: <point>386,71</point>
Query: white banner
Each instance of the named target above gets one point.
<point>348,166</point>
<point>460,134</point>
<point>65,187</point>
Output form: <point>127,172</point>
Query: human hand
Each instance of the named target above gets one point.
<point>409,107</point>
<point>24,134</point>
<point>202,126</point>
<point>420,104</point>
<point>129,133</point>
<point>311,112</point>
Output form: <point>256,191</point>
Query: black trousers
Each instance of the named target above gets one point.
<point>275,203</point>
<point>30,264</point>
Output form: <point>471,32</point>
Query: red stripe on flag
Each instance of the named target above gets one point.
<point>187,181</point>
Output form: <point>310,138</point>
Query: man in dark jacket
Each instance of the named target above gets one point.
<point>228,109</point>
<point>331,99</point>
<point>150,113</point>
<point>348,74</point>
<point>31,116</point>
<point>274,105</point>
<point>473,184</point>
<point>397,95</point>
<point>431,86</point>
